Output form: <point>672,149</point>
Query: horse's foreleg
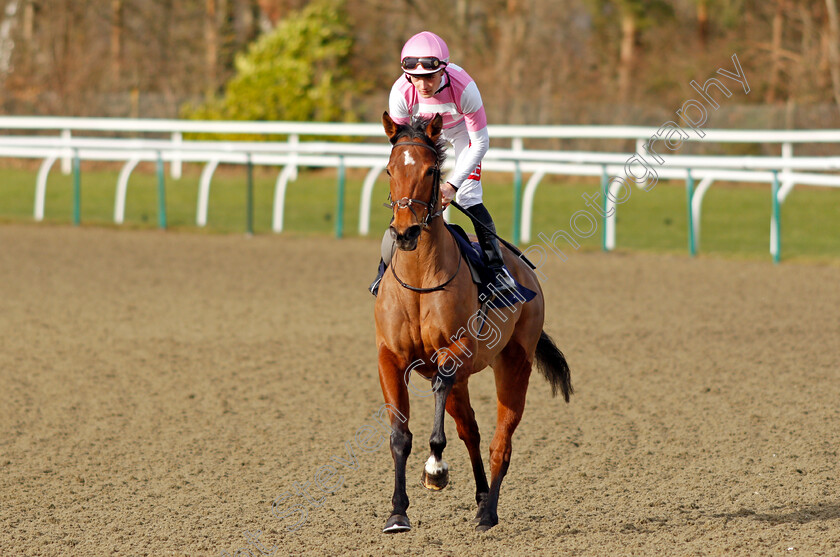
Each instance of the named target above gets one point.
<point>459,407</point>
<point>400,449</point>
<point>436,472</point>
<point>395,392</point>
<point>512,373</point>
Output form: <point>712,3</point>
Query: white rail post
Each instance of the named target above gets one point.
<point>605,185</point>
<point>697,206</point>
<point>689,191</point>
<point>779,195</point>
<point>640,145</point>
<point>41,186</point>
<point>122,189</point>
<point>367,195</point>
<point>286,175</point>
<point>175,166</point>
<point>610,209</point>
<point>787,153</point>
<point>204,192</point>
<point>528,204</point>
<point>294,143</point>
<point>776,222</point>
<point>67,159</point>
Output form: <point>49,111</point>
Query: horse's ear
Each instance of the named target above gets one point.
<point>389,125</point>
<point>434,127</point>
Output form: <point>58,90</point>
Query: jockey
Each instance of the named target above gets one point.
<point>432,85</point>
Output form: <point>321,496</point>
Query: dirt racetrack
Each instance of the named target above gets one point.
<point>161,390</point>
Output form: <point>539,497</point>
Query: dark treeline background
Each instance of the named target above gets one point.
<point>536,61</point>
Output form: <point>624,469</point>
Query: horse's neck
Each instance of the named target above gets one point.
<point>434,260</point>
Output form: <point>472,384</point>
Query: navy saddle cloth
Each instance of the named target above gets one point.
<point>473,253</point>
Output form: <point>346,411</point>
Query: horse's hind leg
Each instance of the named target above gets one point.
<point>512,371</point>
<point>458,406</point>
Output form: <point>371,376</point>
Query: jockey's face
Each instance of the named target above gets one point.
<point>426,85</point>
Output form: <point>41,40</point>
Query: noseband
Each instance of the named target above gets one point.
<point>407,202</point>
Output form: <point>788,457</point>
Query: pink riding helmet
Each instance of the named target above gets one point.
<point>425,48</point>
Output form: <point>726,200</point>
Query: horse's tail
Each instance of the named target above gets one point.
<point>553,366</point>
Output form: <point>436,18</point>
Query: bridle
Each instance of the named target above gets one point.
<point>408,203</point>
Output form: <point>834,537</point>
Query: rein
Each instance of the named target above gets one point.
<point>440,286</point>
<point>406,203</point>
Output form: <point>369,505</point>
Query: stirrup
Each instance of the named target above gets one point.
<point>374,286</point>
<point>504,281</point>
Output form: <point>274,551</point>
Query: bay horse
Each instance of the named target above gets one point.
<point>425,307</point>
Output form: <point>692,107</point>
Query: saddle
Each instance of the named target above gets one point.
<point>482,275</point>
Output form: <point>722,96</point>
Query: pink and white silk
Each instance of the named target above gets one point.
<point>464,125</point>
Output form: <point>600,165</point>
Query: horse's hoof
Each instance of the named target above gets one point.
<point>486,523</point>
<point>435,483</point>
<point>397,523</point>
<point>435,475</point>
<point>483,527</point>
<point>485,519</point>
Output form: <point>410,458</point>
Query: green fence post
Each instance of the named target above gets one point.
<point>605,185</point>
<point>777,218</point>
<point>689,192</point>
<point>77,189</point>
<point>250,198</point>
<point>517,201</point>
<point>339,213</point>
<point>161,193</point>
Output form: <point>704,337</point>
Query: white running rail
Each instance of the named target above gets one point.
<point>54,138</point>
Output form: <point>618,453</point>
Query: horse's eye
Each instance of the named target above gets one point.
<point>430,172</point>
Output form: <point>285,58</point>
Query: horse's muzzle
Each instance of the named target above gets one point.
<point>407,241</point>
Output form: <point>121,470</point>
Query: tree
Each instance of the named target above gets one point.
<point>833,48</point>
<point>211,38</point>
<point>631,17</point>
<point>299,71</point>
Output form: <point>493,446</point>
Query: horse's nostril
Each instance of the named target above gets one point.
<point>407,240</point>
<point>411,233</point>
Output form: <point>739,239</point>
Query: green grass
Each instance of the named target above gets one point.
<point>735,222</point>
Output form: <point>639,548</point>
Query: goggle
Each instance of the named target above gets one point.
<point>430,63</point>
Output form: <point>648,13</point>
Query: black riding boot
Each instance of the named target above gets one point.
<point>374,286</point>
<point>386,251</point>
<point>490,246</point>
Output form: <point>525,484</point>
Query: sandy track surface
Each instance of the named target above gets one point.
<point>161,390</point>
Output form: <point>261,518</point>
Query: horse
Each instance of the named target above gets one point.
<point>425,307</point>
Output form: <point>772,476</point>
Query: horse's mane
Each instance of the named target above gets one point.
<point>416,129</point>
